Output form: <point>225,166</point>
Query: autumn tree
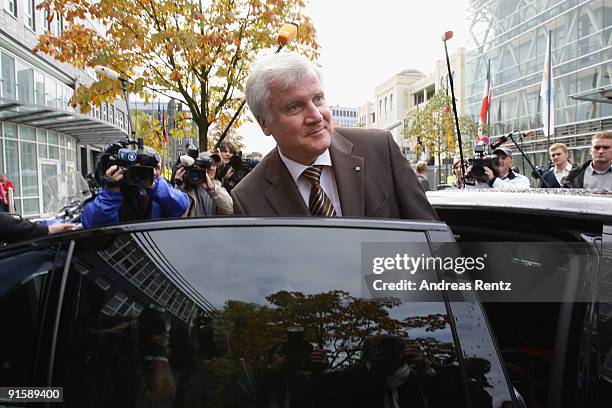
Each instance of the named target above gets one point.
<point>434,127</point>
<point>196,52</point>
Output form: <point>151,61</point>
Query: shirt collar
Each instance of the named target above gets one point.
<point>568,167</point>
<point>510,175</point>
<point>296,169</point>
<point>593,171</point>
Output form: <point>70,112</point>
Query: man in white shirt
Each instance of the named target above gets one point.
<point>506,178</point>
<point>562,166</point>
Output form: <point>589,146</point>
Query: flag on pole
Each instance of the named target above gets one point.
<point>485,105</point>
<point>547,93</point>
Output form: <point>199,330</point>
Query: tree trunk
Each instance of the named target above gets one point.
<point>202,137</point>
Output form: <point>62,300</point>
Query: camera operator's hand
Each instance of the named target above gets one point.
<point>488,174</point>
<point>178,176</point>
<point>319,361</point>
<point>413,355</point>
<point>156,175</point>
<point>208,184</point>
<point>116,174</point>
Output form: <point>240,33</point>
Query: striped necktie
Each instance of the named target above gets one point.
<point>318,204</point>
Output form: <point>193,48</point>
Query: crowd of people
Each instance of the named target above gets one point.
<point>314,170</point>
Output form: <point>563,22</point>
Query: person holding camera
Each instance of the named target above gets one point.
<point>505,179</point>
<point>129,194</point>
<point>196,177</point>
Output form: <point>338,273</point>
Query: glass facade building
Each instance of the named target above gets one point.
<point>512,35</point>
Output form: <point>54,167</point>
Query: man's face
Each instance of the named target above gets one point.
<point>559,157</point>
<point>226,155</point>
<point>299,120</point>
<point>601,151</point>
<point>503,163</point>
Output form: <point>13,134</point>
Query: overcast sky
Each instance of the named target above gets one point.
<point>364,43</point>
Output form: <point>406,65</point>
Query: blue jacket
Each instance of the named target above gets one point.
<point>166,202</point>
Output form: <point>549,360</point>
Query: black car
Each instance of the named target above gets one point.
<point>279,312</point>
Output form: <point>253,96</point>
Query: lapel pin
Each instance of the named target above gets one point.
<point>357,168</point>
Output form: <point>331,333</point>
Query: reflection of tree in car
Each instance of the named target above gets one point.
<point>333,321</point>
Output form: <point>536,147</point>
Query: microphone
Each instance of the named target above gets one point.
<point>528,133</point>
<point>108,73</point>
<point>499,142</point>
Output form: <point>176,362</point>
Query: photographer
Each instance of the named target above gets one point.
<point>120,201</point>
<point>295,374</point>
<point>206,195</point>
<point>505,179</point>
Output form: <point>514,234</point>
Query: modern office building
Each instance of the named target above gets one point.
<point>512,35</point>
<point>40,134</point>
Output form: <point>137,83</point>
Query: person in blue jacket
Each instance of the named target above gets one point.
<point>119,202</point>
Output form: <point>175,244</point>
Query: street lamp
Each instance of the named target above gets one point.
<point>445,37</point>
<point>287,33</point>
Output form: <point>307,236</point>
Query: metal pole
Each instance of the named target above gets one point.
<point>548,96</point>
<point>450,77</point>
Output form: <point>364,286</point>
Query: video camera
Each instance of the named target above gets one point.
<point>241,166</point>
<point>480,162</point>
<point>195,165</point>
<point>138,165</point>
<point>297,350</point>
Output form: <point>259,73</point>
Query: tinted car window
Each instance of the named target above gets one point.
<point>266,316</point>
<point>23,288</point>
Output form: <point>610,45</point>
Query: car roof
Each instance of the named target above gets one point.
<point>559,201</point>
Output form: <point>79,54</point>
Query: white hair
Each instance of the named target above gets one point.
<point>285,69</point>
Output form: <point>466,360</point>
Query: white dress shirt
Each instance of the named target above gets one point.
<point>564,172</point>
<point>328,181</point>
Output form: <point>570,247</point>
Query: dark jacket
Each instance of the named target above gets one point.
<point>549,177</point>
<point>575,179</point>
<point>15,229</point>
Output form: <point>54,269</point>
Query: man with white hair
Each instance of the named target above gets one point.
<point>315,169</point>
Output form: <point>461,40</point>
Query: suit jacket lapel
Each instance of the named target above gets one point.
<point>349,180</point>
<point>282,194</point>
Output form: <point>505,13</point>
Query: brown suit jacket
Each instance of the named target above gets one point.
<point>373,178</point>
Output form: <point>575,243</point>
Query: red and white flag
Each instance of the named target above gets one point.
<point>485,105</point>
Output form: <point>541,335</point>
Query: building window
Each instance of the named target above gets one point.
<point>39,88</point>
<point>8,77</point>
<point>25,83</point>
<point>11,7</point>
<point>385,104</point>
<point>380,107</point>
<point>391,102</point>
<point>31,14</point>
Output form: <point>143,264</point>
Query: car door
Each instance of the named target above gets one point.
<point>250,312</point>
<point>30,291</point>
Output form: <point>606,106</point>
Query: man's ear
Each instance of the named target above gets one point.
<point>263,124</point>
